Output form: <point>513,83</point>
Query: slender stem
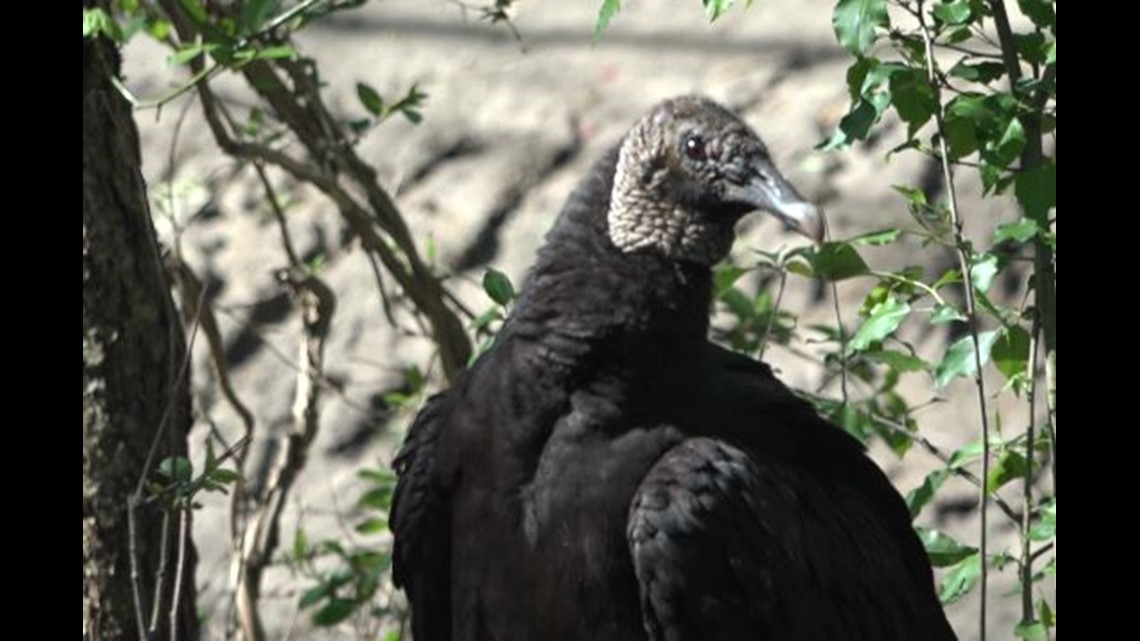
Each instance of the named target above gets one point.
<point>278,213</point>
<point>1027,486</point>
<point>160,575</point>
<point>933,293</point>
<point>971,312</point>
<point>180,570</point>
<point>136,575</point>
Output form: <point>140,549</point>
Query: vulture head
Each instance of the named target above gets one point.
<point>686,173</point>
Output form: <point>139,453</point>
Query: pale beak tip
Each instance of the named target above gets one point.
<point>806,219</point>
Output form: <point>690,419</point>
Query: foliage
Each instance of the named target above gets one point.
<point>353,583</point>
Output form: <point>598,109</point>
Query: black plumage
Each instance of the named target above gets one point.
<point>607,473</point>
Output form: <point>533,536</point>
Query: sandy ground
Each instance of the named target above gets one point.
<point>509,127</point>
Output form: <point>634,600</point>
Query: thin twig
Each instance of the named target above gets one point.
<point>930,291</point>
<point>278,213</point>
<point>967,51</point>
<point>1027,485</point>
<point>841,328</point>
<point>180,569</point>
<point>971,313</point>
<point>160,575</point>
<point>385,301</point>
<point>136,574</point>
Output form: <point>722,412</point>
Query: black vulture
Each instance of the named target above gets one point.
<point>605,472</point>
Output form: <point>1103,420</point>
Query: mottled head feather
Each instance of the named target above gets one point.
<point>668,199</point>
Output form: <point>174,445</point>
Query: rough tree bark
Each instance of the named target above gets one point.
<point>133,350</point>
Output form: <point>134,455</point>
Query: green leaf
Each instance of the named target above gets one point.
<point>855,22</point>
<point>952,12</point>
<point>195,11</point>
<point>898,360</point>
<point>961,579</point>
<point>1051,53</point>
<point>224,476</point>
<point>716,8</point>
<point>1046,528</point>
<point>484,320</point>
<point>1010,466</point>
<point>738,303</point>
<point>300,544</point>
<point>377,498</point>
<point>1011,143</point>
<point>335,611</point>
<point>159,29</point>
<point>965,454</point>
<point>370,98</point>
<point>1048,616</point>
<point>498,286</point>
<point>182,56</point>
<point>982,72</point>
<point>1040,12</point>
<point>726,276</point>
<point>372,526</point>
<point>914,197</point>
<point>960,357</point>
<point>943,549</point>
<point>97,22</point>
<point>877,238</point>
<point>961,136</point>
<point>606,13</point>
<point>410,105</point>
<point>314,595</point>
<point>853,126</point>
<point>946,314</point>
<point>982,271</point>
<point>920,496</point>
<point>914,98</point>
<point>1019,231</point>
<point>1011,352</point>
<point>270,53</point>
<point>1036,191</point>
<point>884,319</point>
<point>836,261</point>
<point>1031,631</point>
<point>176,468</point>
<point>255,13</point>
<point>377,475</point>
<point>966,115</point>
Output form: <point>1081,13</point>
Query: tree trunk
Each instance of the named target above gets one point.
<point>133,396</point>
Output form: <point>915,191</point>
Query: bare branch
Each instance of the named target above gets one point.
<point>317,306</point>
<point>180,571</point>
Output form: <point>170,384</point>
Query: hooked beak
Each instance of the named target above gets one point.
<point>766,190</point>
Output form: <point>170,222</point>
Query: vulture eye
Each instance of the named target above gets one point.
<point>695,148</point>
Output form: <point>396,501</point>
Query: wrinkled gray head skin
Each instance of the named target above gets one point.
<point>686,173</point>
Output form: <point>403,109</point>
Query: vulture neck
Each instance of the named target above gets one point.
<point>587,299</point>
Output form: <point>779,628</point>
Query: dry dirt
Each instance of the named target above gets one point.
<point>508,129</point>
